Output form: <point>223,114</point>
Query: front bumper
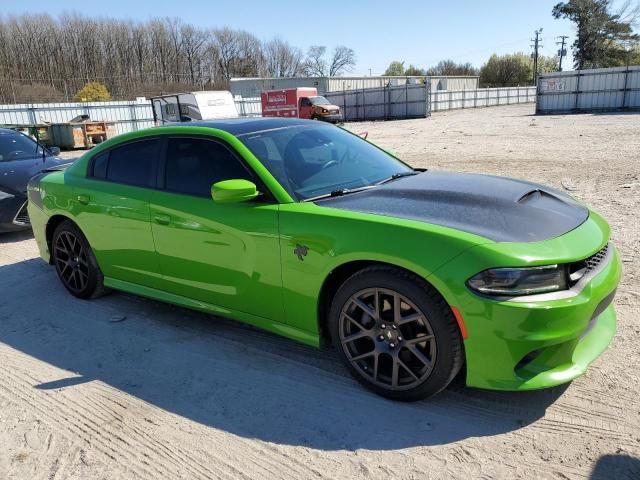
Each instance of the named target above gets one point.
<point>13,214</point>
<point>543,340</point>
<point>329,117</point>
<point>538,344</point>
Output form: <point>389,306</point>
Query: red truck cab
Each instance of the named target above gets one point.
<point>299,103</point>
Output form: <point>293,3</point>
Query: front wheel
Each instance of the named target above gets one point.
<point>75,263</point>
<point>395,333</point>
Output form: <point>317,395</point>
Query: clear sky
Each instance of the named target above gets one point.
<point>414,31</point>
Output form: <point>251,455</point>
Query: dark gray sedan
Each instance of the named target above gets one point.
<point>21,157</point>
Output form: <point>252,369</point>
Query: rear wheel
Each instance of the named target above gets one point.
<point>75,263</point>
<point>395,333</point>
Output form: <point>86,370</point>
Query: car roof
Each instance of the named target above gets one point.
<point>243,126</point>
<point>8,131</point>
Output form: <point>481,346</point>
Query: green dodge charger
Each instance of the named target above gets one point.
<point>306,230</point>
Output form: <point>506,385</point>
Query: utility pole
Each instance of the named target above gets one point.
<point>536,46</point>
<point>563,51</point>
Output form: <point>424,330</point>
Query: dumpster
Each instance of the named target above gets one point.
<point>80,132</point>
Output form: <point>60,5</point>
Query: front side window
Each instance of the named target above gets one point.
<point>17,146</point>
<point>194,164</point>
<point>319,101</point>
<point>314,160</point>
<point>130,164</point>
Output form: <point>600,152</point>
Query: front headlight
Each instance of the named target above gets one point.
<point>4,195</point>
<point>519,281</point>
<point>324,110</point>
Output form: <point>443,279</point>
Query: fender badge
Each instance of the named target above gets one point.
<point>301,251</point>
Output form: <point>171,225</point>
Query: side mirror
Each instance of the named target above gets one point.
<point>54,151</point>
<point>233,191</point>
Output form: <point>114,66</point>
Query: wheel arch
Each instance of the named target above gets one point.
<point>51,226</point>
<point>338,276</point>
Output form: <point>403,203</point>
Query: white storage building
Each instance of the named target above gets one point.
<point>251,87</point>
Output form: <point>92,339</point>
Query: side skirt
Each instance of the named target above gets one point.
<point>278,328</point>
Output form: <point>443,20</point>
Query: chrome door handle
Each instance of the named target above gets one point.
<point>162,219</point>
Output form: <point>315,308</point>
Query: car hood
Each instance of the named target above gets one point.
<point>331,107</point>
<point>498,208</point>
<point>15,175</point>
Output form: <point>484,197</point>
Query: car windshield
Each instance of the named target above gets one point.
<point>16,146</point>
<point>319,101</point>
<point>313,160</point>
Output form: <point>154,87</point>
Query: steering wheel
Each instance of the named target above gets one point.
<point>329,164</point>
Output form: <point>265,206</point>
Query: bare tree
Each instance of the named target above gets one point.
<point>282,59</point>
<point>226,42</point>
<point>315,65</point>
<point>192,43</point>
<point>250,62</point>
<point>140,58</point>
<point>342,61</point>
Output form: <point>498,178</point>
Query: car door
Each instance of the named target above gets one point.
<point>306,108</point>
<point>223,254</point>
<point>113,210</point>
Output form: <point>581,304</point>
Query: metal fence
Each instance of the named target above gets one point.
<point>597,90</point>
<point>126,116</point>
<point>248,106</point>
<point>358,106</point>
<point>386,103</point>
<point>481,97</point>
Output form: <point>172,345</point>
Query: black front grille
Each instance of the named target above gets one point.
<point>579,269</point>
<point>595,260</point>
<point>22,217</point>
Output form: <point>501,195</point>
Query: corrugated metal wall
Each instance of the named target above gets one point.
<point>437,101</point>
<point>127,116</point>
<point>597,90</point>
<point>251,87</point>
<point>481,97</point>
<point>407,101</point>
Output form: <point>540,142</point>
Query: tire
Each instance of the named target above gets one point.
<point>407,356</point>
<point>75,262</point>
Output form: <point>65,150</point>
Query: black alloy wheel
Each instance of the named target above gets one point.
<point>395,333</point>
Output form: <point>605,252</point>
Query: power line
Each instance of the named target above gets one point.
<point>563,51</point>
<point>469,53</point>
<point>536,46</point>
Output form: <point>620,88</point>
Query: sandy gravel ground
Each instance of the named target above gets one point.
<point>168,393</point>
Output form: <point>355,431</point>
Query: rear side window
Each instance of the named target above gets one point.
<point>193,165</point>
<point>130,164</point>
<point>100,166</point>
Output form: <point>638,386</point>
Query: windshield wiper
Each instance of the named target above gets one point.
<point>338,193</point>
<point>345,191</point>
<point>395,176</point>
